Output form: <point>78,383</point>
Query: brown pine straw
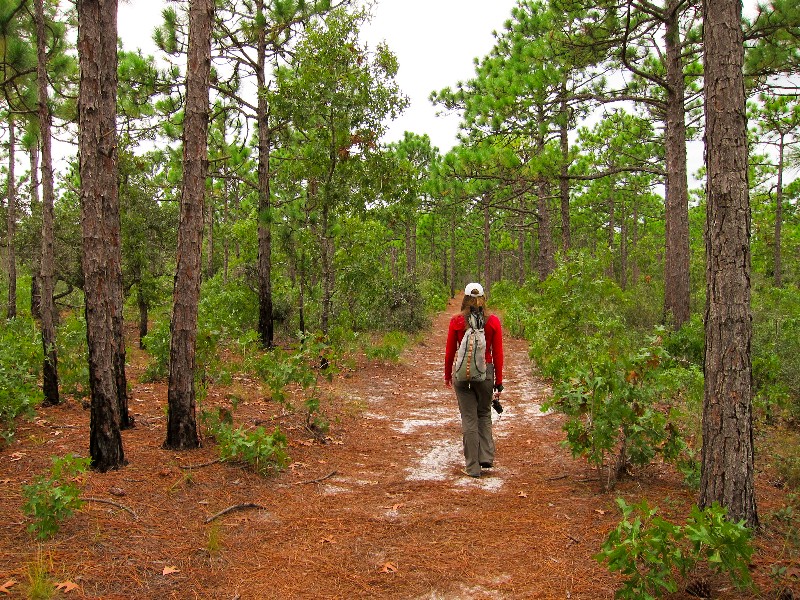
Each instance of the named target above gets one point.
<point>527,529</point>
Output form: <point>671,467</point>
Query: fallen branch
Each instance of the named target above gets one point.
<point>205,464</point>
<point>329,475</point>
<point>233,508</point>
<point>557,477</point>
<point>112,503</point>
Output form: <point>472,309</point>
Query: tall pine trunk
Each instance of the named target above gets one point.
<point>778,267</point>
<point>47,276</point>
<point>182,422</point>
<point>266,323</point>
<point>97,51</point>
<point>36,210</point>
<point>563,180</point>
<point>487,244</point>
<point>727,456</point>
<point>676,256</point>
<point>11,221</point>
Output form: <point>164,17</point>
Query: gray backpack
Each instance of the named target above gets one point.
<point>470,362</point>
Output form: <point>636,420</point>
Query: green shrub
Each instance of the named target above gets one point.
<point>434,295</point>
<point>776,349</point>
<point>157,343</point>
<point>611,411</point>
<point>73,356</point>
<point>649,551</point>
<point>264,452</point>
<point>390,347</point>
<point>230,309</point>
<point>20,365</point>
<point>51,499</point>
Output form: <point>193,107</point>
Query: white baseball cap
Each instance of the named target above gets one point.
<point>473,289</point>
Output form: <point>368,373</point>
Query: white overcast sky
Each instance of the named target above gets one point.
<point>435,42</point>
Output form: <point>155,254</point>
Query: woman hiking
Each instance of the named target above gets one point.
<point>475,397</point>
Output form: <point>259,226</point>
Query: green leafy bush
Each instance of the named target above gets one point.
<point>264,452</point>
<point>776,349</point>
<point>227,308</point>
<point>611,410</point>
<point>390,347</point>
<point>303,366</point>
<point>73,356</point>
<point>20,365</point>
<point>207,356</point>
<point>51,499</point>
<point>649,550</point>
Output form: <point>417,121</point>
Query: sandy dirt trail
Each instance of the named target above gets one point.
<point>381,510</point>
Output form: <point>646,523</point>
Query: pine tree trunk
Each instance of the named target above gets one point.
<point>48,309</point>
<point>610,231</point>
<point>676,256</point>
<point>453,253</point>
<point>546,259</point>
<point>97,45</point>
<point>778,268</point>
<point>727,455</point>
<point>36,210</point>
<point>623,252</point>
<point>11,221</point>
<point>635,243</point>
<point>143,315</point>
<point>182,422</point>
<point>266,324</point>
<point>487,244</point>
<point>209,211</point>
<point>563,181</point>
<point>327,268</point>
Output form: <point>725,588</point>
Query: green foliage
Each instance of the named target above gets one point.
<point>688,343</point>
<point>301,367</point>
<point>623,394</point>
<point>390,347</point>
<point>20,364</point>
<point>264,452</point>
<point>279,368</point>
<point>51,499</point>
<point>434,295</point>
<point>227,308</point>
<point>73,356</point>
<point>649,550</point>
<point>157,343</point>
<point>611,409</point>
<point>776,349</point>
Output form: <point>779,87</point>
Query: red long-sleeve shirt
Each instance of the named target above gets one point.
<point>494,345</point>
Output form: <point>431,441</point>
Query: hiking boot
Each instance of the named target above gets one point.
<point>468,474</point>
<point>486,465</point>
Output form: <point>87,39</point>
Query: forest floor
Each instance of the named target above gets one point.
<point>378,509</point>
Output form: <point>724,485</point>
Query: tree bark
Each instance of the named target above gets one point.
<point>36,209</point>
<point>778,267</point>
<point>453,253</point>
<point>487,245</point>
<point>182,422</point>
<point>676,257</point>
<point>546,260</point>
<point>11,221</point>
<point>563,181</point>
<point>97,51</point>
<point>48,310</point>
<point>266,324</point>
<point>144,310</point>
<point>611,231</point>
<point>623,251</point>
<point>727,455</point>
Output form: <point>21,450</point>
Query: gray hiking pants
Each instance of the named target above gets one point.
<point>475,404</point>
